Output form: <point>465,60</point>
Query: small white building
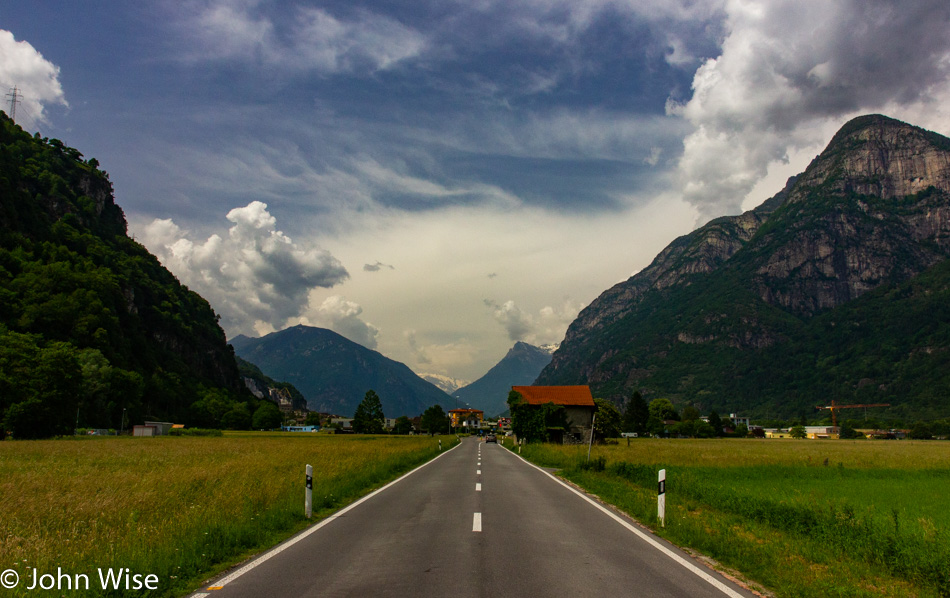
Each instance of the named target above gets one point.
<point>144,431</point>
<point>736,420</point>
<point>346,423</point>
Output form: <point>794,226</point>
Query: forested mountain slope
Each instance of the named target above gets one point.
<point>91,323</point>
<point>836,288</point>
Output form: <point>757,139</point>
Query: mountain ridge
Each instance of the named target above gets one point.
<point>334,373</point>
<point>520,366</point>
<point>871,211</point>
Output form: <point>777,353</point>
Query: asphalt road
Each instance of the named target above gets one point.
<point>476,521</point>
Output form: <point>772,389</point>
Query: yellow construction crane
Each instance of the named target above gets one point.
<point>833,408</point>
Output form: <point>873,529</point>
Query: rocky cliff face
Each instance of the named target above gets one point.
<point>700,252</point>
<point>872,210</point>
<point>878,156</point>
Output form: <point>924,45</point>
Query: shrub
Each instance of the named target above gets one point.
<point>195,432</point>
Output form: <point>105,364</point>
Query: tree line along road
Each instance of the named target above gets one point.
<point>476,521</point>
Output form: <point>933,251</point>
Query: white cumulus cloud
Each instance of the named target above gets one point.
<point>791,71</point>
<point>35,78</point>
<point>546,327</point>
<point>255,274</point>
<point>342,316</point>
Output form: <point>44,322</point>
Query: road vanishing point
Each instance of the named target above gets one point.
<point>476,521</point>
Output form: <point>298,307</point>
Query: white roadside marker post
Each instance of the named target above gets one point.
<point>440,445</point>
<point>308,499</point>
<point>661,499</point>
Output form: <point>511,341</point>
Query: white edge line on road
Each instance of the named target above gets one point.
<point>477,522</point>
<point>310,530</point>
<point>643,536</point>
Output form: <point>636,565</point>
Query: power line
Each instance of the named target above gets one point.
<point>27,118</point>
<point>14,100</point>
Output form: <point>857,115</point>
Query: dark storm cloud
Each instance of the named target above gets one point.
<point>788,67</point>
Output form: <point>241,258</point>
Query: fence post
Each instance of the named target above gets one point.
<point>661,499</point>
<point>308,500</point>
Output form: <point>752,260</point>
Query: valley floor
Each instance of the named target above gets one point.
<point>803,518</point>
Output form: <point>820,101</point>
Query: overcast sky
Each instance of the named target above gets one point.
<point>437,179</point>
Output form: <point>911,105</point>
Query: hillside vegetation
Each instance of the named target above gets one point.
<point>91,324</point>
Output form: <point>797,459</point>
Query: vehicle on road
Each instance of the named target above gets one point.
<point>491,438</point>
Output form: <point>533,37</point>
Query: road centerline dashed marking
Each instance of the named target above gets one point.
<point>478,472</point>
<point>478,487</point>
<point>477,522</point>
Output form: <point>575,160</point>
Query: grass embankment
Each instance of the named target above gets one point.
<point>803,518</point>
<point>180,508</point>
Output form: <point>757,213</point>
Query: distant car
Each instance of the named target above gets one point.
<point>491,438</point>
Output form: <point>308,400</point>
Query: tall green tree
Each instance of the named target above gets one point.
<point>690,414</point>
<point>267,416</point>
<point>535,423</point>
<point>636,414</point>
<point>716,423</point>
<point>40,387</point>
<point>369,418</point>
<point>238,418</point>
<point>608,422</point>
<point>524,424</point>
<point>435,421</point>
<point>920,431</point>
<point>663,409</point>
<point>403,425</point>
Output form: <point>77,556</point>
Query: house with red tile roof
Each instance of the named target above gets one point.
<point>577,401</point>
<point>467,418</point>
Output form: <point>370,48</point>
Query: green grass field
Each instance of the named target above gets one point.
<point>180,508</point>
<point>801,518</point>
